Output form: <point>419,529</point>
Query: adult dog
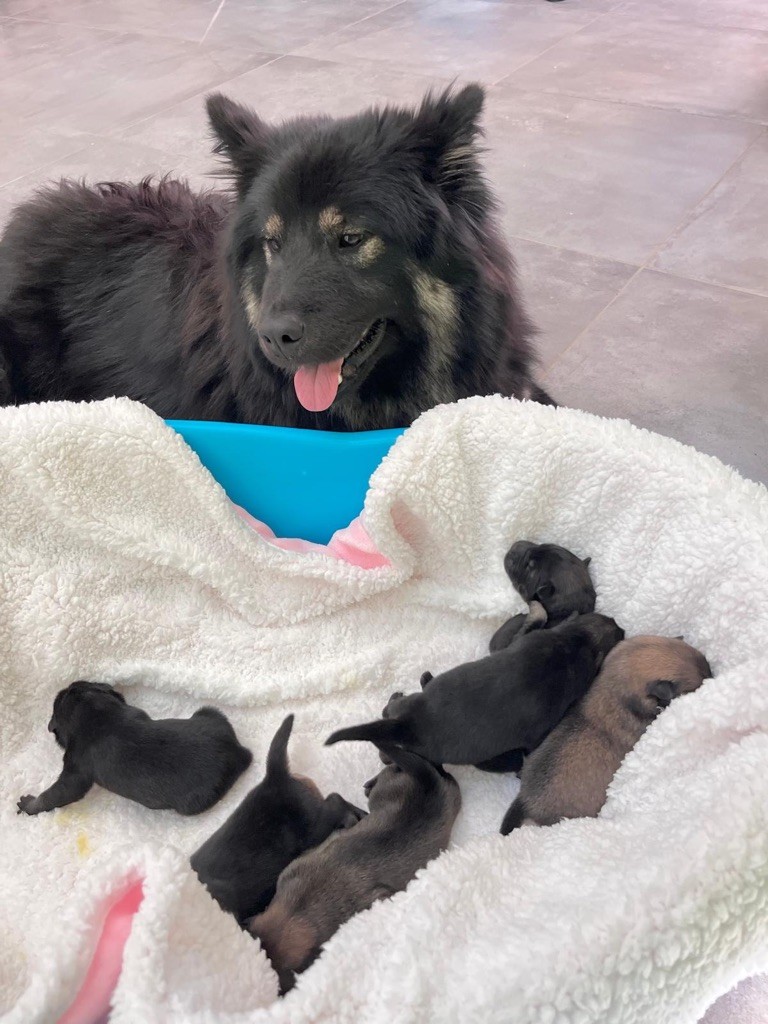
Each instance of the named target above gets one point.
<point>353,279</point>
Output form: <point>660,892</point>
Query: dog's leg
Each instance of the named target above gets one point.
<point>70,786</point>
<point>342,813</point>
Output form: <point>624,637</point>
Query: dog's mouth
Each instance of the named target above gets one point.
<point>317,386</point>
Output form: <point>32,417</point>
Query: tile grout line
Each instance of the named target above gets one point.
<point>213,21</point>
<point>326,35</point>
<point>541,53</point>
<point>234,78</point>
<point>651,256</point>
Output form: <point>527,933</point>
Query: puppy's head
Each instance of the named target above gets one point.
<point>551,575</point>
<point>75,697</point>
<point>407,778</point>
<point>289,940</point>
<point>648,672</point>
<point>601,631</point>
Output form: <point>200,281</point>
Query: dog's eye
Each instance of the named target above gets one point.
<point>273,244</point>
<point>350,239</point>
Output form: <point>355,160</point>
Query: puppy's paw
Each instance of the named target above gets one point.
<point>27,805</point>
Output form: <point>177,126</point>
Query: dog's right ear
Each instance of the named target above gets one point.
<point>426,677</point>
<point>241,136</point>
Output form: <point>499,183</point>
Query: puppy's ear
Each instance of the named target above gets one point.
<point>241,136</point>
<point>585,561</point>
<point>445,129</point>
<point>663,691</point>
<point>426,677</point>
<point>544,591</point>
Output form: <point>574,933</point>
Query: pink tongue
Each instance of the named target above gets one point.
<point>316,386</point>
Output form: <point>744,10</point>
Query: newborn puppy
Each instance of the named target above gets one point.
<point>413,805</point>
<point>278,820</point>
<point>506,701</point>
<point>569,774</point>
<point>553,581</point>
<point>180,764</point>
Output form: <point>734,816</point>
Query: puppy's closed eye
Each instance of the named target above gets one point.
<point>545,590</point>
<point>663,691</point>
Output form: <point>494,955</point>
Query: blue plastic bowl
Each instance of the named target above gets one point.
<point>301,483</point>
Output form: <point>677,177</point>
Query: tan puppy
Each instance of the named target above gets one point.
<point>413,805</point>
<point>569,774</point>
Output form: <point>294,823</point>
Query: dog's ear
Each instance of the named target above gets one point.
<point>241,136</point>
<point>426,677</point>
<point>544,591</point>
<point>663,691</point>
<point>585,561</point>
<point>446,129</point>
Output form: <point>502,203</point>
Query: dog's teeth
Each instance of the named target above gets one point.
<point>340,377</point>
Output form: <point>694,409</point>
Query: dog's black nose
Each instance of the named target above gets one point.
<point>281,331</point>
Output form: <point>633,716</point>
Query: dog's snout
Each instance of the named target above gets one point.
<point>281,331</point>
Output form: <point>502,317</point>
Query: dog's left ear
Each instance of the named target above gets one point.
<point>241,136</point>
<point>663,691</point>
<point>446,129</point>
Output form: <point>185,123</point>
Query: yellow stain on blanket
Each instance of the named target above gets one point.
<point>71,817</point>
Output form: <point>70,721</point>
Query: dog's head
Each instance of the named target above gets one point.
<point>646,673</point>
<point>78,695</point>
<point>340,245</point>
<point>551,575</point>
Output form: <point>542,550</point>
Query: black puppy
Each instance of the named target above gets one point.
<point>506,701</point>
<point>282,817</point>
<point>180,764</point>
<point>553,581</point>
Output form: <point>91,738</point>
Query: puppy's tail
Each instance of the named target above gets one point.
<point>277,757</point>
<point>385,730</point>
<point>514,817</point>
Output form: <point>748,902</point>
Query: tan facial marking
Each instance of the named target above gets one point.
<point>439,309</point>
<point>274,226</point>
<point>252,304</point>
<point>331,219</point>
<point>369,251</point>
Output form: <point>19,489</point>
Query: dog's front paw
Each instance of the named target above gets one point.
<point>27,805</point>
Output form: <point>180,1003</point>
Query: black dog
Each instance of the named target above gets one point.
<point>279,819</point>
<point>180,764</point>
<point>356,279</point>
<point>553,581</point>
<point>506,701</point>
<point>413,805</point>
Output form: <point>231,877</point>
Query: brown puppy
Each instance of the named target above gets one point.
<point>569,774</point>
<point>413,805</point>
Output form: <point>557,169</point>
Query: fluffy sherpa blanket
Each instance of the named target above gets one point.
<point>122,560</point>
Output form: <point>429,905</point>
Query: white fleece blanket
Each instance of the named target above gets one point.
<point>121,560</point>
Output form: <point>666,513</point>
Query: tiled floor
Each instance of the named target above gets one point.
<point>627,140</point>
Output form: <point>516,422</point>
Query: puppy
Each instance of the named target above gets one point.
<point>413,805</point>
<point>506,701</point>
<point>553,581</point>
<point>569,774</point>
<point>184,765</point>
<point>279,819</point>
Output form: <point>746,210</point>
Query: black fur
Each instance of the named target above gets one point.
<point>185,765</point>
<point>279,819</point>
<point>144,290</point>
<point>549,577</point>
<point>506,701</point>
